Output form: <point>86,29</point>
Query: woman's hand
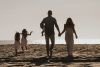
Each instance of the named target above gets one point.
<point>58,34</point>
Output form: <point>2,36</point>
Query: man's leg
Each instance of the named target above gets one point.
<point>47,45</point>
<point>52,44</point>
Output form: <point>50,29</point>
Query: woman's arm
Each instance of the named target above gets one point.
<point>75,32</point>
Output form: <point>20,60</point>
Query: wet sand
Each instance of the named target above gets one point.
<point>85,55</point>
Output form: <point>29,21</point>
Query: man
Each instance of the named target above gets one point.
<point>48,24</point>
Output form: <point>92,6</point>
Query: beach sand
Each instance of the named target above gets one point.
<point>85,55</point>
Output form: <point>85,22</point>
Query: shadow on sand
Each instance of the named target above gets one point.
<point>43,60</point>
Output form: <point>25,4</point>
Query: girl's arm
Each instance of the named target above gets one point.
<point>63,30</point>
<point>75,32</point>
<point>30,33</point>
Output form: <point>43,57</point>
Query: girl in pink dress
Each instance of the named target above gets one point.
<point>69,30</point>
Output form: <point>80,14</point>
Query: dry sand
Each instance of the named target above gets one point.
<point>84,56</point>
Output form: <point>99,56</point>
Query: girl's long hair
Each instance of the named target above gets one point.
<point>24,32</point>
<point>17,36</point>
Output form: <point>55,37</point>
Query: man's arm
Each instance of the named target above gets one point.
<point>42,24</point>
<point>56,25</point>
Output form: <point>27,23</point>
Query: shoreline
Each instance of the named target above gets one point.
<point>55,44</point>
<point>57,41</point>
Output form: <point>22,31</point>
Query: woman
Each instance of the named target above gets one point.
<point>69,30</point>
<point>24,39</point>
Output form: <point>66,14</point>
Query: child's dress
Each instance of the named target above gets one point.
<point>17,44</point>
<point>23,41</point>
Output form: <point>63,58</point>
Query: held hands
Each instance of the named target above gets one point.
<point>76,36</point>
<point>59,34</point>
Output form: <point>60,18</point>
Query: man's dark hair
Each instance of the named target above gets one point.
<point>49,12</point>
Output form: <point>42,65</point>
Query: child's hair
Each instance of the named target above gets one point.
<point>24,33</point>
<point>69,22</point>
<point>17,36</point>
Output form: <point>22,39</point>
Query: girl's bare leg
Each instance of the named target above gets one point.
<point>26,47</point>
<point>22,49</point>
<point>15,51</point>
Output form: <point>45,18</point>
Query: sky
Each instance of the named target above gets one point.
<point>18,14</point>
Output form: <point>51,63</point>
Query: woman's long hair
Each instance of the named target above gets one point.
<point>69,23</point>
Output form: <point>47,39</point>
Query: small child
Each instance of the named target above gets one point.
<point>24,39</point>
<point>17,41</point>
<point>43,29</point>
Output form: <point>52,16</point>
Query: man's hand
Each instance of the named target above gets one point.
<point>76,36</point>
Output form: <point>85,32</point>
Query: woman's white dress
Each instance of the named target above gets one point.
<point>69,39</point>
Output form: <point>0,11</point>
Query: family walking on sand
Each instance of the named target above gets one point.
<point>47,26</point>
